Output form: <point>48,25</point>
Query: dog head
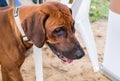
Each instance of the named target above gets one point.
<point>53,24</point>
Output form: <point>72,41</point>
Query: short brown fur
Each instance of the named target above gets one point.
<point>38,23</point>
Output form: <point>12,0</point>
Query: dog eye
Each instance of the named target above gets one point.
<point>59,32</point>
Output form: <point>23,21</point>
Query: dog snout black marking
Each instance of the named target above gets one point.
<point>79,54</point>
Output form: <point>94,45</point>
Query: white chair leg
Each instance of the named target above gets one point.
<point>64,1</point>
<point>38,63</point>
<point>80,10</point>
<point>84,28</point>
<point>112,48</point>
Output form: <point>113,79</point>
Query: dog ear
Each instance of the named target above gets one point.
<point>34,28</point>
<point>70,10</point>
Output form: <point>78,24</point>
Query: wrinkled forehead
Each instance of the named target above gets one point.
<point>60,20</point>
<point>59,15</point>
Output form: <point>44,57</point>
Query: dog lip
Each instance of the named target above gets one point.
<point>67,60</point>
<point>59,54</point>
<point>64,58</point>
<point>52,47</point>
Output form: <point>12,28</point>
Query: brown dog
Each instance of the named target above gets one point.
<point>49,23</point>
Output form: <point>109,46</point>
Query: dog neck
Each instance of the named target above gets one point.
<point>18,23</point>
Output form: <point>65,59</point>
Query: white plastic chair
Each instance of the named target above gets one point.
<point>80,12</point>
<point>38,63</point>
<point>111,66</point>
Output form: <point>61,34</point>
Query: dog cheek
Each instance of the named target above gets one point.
<point>64,46</point>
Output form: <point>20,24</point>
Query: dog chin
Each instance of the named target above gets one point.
<point>59,54</point>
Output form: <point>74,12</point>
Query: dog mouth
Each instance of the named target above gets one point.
<point>59,53</point>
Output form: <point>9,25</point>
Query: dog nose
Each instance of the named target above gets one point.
<point>79,54</point>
